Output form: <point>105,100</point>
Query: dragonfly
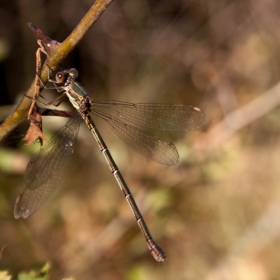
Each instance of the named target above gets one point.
<point>47,167</point>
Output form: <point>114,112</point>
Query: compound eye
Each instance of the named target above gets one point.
<point>60,77</point>
<point>73,73</point>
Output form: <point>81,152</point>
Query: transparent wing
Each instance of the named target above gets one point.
<point>142,142</point>
<point>169,117</point>
<point>46,169</point>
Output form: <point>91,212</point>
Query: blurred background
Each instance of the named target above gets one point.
<point>216,213</point>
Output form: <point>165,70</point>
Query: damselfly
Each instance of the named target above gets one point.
<point>46,168</point>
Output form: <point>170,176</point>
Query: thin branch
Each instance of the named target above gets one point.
<point>240,118</point>
<point>56,54</point>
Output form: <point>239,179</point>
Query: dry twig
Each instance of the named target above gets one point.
<point>57,52</point>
